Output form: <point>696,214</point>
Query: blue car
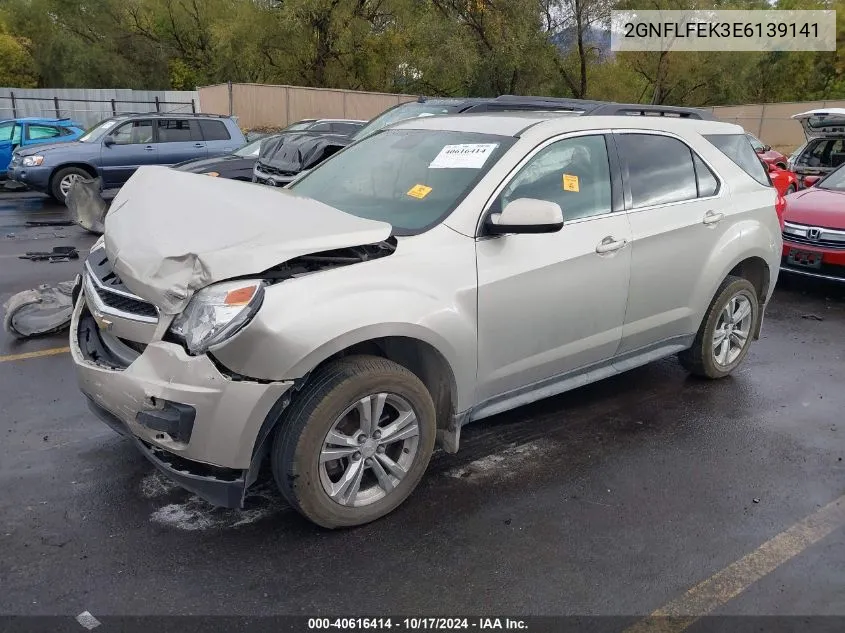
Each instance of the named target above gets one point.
<point>25,132</point>
<point>113,149</point>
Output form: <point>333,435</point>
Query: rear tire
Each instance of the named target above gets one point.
<point>62,180</point>
<point>723,340</point>
<point>326,440</point>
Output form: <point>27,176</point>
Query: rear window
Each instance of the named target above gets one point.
<point>214,130</point>
<point>738,148</point>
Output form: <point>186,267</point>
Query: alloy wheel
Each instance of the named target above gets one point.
<point>733,330</point>
<point>369,449</point>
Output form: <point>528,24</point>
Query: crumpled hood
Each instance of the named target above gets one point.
<point>292,153</point>
<point>170,233</point>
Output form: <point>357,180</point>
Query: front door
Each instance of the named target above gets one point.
<point>133,146</point>
<point>549,304</point>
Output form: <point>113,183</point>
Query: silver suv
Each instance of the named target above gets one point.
<point>438,272</point>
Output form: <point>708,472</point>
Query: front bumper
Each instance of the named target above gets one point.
<point>273,180</point>
<point>37,178</point>
<point>201,428</point>
<point>827,263</point>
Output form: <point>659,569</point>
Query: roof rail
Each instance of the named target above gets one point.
<point>637,109</point>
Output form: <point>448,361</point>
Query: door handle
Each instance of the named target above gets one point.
<point>610,244</point>
<point>712,217</point>
<point>199,145</point>
<point>149,148</point>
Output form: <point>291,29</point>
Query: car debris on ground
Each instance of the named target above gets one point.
<point>42,310</point>
<point>58,254</point>
<point>86,204</point>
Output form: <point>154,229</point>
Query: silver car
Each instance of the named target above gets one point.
<point>436,273</point>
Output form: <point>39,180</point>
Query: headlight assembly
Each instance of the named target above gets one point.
<point>217,312</point>
<point>32,161</point>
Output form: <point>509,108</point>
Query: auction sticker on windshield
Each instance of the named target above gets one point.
<point>570,183</point>
<point>464,156</point>
<point>419,191</point>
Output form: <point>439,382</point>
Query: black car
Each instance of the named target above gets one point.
<point>284,159</point>
<point>236,166</point>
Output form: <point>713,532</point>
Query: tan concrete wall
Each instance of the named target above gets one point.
<point>259,105</point>
<point>772,123</point>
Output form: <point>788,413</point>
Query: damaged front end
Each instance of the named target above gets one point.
<point>287,157</point>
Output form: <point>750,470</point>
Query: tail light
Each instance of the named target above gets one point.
<point>780,209</point>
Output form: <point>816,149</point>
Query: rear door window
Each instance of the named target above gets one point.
<point>739,150</point>
<point>178,131</point>
<point>660,169</point>
<point>214,130</point>
<point>38,132</point>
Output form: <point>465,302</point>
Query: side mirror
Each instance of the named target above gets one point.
<point>108,141</point>
<point>809,181</point>
<point>526,215</point>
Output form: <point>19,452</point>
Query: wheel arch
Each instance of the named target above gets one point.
<point>79,165</point>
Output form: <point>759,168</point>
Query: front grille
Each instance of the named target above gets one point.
<point>819,236</point>
<point>797,239</point>
<point>267,169</point>
<point>125,304</point>
<point>111,289</point>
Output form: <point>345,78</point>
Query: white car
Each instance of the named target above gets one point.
<point>436,273</point>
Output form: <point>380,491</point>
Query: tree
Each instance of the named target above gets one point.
<point>17,67</point>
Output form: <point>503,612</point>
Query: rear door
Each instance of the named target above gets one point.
<point>676,214</point>
<point>179,140</point>
<point>217,138</point>
<point>133,146</point>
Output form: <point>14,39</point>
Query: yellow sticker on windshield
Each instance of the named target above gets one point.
<point>419,191</point>
<point>570,183</point>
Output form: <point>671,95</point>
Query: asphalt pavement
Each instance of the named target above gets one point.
<point>614,499</point>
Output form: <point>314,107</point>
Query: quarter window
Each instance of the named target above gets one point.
<point>134,133</point>
<point>660,169</point>
<point>214,130</point>
<point>573,173</point>
<point>739,150</point>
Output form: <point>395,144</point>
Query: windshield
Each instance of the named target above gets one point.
<point>399,113</point>
<point>99,130</point>
<point>252,149</point>
<point>835,181</point>
<point>302,125</point>
<point>409,178</point>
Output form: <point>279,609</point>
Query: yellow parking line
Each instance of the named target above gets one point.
<point>53,351</point>
<point>725,585</point>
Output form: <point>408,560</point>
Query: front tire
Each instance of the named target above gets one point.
<point>723,340</point>
<point>355,442</point>
<point>63,179</point>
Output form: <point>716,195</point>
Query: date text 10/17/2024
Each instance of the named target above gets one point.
<point>417,624</point>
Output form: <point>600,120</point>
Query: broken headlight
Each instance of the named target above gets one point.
<point>32,161</point>
<point>217,313</point>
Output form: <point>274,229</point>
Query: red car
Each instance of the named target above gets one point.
<point>766,153</point>
<point>784,180</point>
<point>814,229</point>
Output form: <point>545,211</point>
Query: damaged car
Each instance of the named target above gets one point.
<point>824,149</point>
<point>433,274</point>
